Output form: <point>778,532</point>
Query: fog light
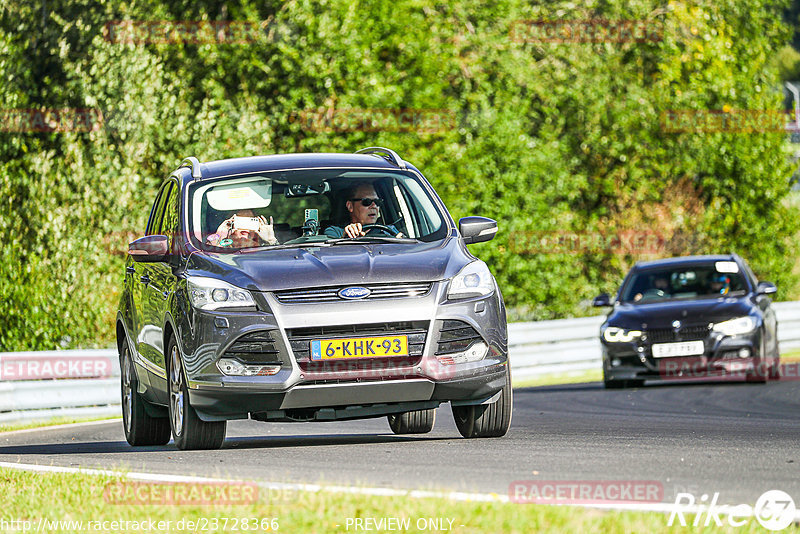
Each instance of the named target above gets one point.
<point>615,362</point>
<point>476,351</point>
<point>744,353</point>
<point>232,367</point>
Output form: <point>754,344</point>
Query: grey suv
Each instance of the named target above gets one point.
<point>252,295</point>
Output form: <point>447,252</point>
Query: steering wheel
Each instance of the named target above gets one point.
<point>366,228</point>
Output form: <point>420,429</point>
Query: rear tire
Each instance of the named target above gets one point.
<point>188,430</point>
<point>486,420</point>
<point>416,422</point>
<point>140,428</point>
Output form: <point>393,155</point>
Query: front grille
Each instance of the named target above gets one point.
<point>255,348</point>
<point>455,336</point>
<point>300,342</point>
<point>667,335</point>
<point>331,294</point>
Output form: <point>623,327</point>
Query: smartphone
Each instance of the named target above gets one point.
<point>246,223</point>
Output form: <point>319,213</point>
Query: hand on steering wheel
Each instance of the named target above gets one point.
<point>380,227</point>
<point>355,230</point>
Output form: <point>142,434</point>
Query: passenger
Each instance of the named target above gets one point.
<point>228,235</point>
<point>365,208</point>
<point>720,284</point>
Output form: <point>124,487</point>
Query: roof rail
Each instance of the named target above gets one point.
<point>386,153</point>
<point>194,164</point>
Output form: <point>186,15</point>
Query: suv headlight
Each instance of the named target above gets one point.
<point>614,334</point>
<point>474,280</point>
<point>733,327</point>
<point>211,294</point>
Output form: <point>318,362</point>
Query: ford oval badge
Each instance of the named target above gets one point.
<point>352,293</point>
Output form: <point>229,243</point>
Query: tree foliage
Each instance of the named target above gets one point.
<point>552,139</point>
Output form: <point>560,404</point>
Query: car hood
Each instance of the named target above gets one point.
<point>691,312</point>
<point>346,264</point>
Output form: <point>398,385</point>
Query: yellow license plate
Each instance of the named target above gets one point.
<point>359,347</point>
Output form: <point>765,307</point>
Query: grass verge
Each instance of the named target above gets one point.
<point>84,498</point>
<point>55,421</point>
<point>594,375</point>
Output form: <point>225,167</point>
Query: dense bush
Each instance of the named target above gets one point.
<point>551,139</point>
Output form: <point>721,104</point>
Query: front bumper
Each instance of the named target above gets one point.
<point>347,388</point>
<point>724,357</point>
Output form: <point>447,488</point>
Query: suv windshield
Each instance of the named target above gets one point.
<point>311,206</point>
<point>721,278</point>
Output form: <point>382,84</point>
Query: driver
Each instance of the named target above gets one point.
<point>365,208</point>
<point>659,288</point>
<point>227,235</point>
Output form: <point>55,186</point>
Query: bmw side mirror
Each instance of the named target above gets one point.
<point>766,288</point>
<point>477,229</point>
<point>601,300</point>
<point>149,249</point>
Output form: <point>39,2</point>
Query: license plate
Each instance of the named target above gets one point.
<point>359,347</point>
<point>683,348</point>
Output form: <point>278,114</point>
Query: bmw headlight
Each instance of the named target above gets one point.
<point>734,327</point>
<point>211,294</point>
<point>474,280</point>
<point>614,334</point>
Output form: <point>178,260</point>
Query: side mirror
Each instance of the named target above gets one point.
<point>477,229</point>
<point>149,249</point>
<point>601,300</point>
<point>766,288</point>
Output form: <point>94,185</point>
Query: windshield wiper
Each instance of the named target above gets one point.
<point>370,239</point>
<point>285,246</point>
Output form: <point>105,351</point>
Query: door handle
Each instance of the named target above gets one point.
<point>145,279</point>
<point>130,269</point>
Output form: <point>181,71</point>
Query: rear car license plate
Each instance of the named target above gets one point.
<point>359,347</point>
<point>683,348</point>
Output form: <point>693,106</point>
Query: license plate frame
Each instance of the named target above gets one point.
<point>678,349</point>
<point>353,348</point>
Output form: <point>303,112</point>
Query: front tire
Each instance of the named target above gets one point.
<point>188,430</point>
<point>416,422</point>
<point>140,428</point>
<point>486,420</point>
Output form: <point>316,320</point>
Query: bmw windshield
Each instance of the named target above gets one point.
<point>312,207</point>
<point>696,281</point>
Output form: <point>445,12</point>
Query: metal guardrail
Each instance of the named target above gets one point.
<point>64,389</point>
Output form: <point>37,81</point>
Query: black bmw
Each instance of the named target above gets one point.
<point>702,317</point>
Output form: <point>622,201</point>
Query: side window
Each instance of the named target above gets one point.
<point>154,226</point>
<point>171,216</point>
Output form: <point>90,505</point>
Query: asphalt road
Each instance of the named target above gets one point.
<point>739,440</point>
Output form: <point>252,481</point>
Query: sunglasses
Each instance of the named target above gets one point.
<point>367,202</point>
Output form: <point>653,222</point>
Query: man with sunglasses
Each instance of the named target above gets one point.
<point>365,208</point>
